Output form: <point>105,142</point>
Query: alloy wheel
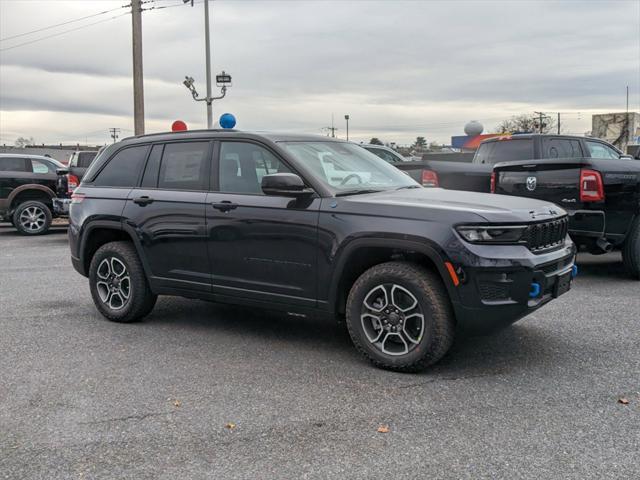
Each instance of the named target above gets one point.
<point>114,283</point>
<point>32,219</point>
<point>392,319</point>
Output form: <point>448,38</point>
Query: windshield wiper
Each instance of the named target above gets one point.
<point>407,187</point>
<point>358,192</point>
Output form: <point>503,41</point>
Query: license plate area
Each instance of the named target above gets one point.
<point>563,284</point>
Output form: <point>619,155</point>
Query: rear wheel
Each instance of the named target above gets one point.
<point>32,218</point>
<point>118,284</point>
<point>399,316</point>
<point>631,250</point>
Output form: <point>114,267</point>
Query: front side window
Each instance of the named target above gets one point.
<point>184,166</point>
<point>600,150</point>
<point>13,164</point>
<point>242,166</point>
<point>346,167</point>
<point>85,159</point>
<point>42,167</point>
<point>123,168</point>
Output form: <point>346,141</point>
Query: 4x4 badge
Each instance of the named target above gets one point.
<point>532,183</point>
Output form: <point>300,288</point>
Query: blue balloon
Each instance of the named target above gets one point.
<point>227,120</point>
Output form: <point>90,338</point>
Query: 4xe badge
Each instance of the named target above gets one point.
<point>532,183</point>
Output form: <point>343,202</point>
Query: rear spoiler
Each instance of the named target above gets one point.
<point>543,164</point>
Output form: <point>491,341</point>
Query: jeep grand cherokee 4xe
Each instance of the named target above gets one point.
<point>308,224</point>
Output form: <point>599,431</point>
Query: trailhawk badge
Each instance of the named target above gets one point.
<point>532,183</point>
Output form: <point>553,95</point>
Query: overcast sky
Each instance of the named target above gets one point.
<point>398,68</point>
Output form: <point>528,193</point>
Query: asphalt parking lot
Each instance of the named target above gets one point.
<point>81,397</point>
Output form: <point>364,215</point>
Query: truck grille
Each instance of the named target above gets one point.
<point>545,236</point>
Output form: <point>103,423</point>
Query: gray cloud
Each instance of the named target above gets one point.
<point>398,67</point>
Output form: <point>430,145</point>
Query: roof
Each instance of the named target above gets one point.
<point>21,155</point>
<point>229,133</point>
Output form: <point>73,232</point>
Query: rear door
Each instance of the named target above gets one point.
<point>167,213</point>
<point>261,247</point>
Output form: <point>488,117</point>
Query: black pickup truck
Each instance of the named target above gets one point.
<point>600,190</point>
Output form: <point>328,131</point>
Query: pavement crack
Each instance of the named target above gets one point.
<point>142,416</point>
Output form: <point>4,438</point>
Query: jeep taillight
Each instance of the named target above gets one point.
<point>591,186</point>
<point>429,178</point>
<point>493,182</point>
<point>72,183</point>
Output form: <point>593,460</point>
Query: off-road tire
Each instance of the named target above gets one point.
<point>141,299</point>
<point>44,217</point>
<point>431,294</point>
<point>631,250</point>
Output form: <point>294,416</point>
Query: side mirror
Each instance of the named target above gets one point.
<point>284,185</point>
<point>62,171</point>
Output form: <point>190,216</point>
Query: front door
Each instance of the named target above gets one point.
<point>261,247</point>
<point>167,212</point>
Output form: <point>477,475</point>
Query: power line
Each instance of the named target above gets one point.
<point>63,32</point>
<point>60,24</point>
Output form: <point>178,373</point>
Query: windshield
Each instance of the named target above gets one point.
<point>348,168</point>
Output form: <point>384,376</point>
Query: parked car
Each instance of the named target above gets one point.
<point>311,225</point>
<point>389,155</point>
<point>600,191</point>
<point>29,188</point>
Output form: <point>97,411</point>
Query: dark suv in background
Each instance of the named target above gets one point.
<point>29,188</point>
<point>310,225</point>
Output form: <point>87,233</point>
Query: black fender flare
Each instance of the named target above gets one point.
<point>118,226</point>
<point>424,247</point>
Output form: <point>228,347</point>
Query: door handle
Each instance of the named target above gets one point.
<point>142,201</point>
<point>225,205</point>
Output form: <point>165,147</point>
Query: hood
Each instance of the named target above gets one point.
<point>457,206</point>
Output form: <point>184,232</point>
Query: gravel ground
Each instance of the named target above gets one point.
<point>81,397</point>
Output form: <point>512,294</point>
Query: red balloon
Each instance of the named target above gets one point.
<point>178,126</point>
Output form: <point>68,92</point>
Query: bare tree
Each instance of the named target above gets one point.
<point>527,124</point>
<point>22,142</point>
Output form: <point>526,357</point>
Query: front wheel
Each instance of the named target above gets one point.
<point>631,250</point>
<point>118,284</point>
<point>399,316</point>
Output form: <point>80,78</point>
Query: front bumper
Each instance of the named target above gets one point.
<point>501,285</point>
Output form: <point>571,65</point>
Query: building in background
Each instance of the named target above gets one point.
<point>473,137</point>
<point>619,129</point>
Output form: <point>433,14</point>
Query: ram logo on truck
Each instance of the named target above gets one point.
<point>532,183</point>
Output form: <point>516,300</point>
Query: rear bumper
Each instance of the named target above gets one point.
<point>61,206</point>
<point>587,223</point>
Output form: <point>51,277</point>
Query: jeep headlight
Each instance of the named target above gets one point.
<point>496,234</point>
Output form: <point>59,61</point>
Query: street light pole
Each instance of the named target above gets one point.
<point>346,117</point>
<point>208,63</point>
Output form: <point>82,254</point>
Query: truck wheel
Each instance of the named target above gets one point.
<point>631,250</point>
<point>399,316</point>
<point>118,284</point>
<point>32,218</point>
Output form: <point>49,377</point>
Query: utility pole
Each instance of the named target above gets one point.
<point>208,55</point>
<point>114,132</point>
<point>138,87</point>
<point>346,117</point>
<point>558,123</point>
<point>541,116</point>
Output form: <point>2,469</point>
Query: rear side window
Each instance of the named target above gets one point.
<point>85,159</point>
<point>123,168</point>
<point>561,148</point>
<point>184,166</point>
<point>482,154</point>
<point>508,150</point>
<point>13,164</point>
